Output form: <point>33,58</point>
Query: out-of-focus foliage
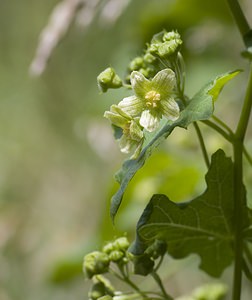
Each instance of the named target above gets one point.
<point>57,153</point>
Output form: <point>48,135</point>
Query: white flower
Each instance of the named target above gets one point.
<point>153,99</point>
<point>132,133</point>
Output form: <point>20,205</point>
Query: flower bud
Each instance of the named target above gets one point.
<point>95,263</point>
<point>108,79</point>
<point>109,247</point>
<point>149,58</point>
<point>121,243</point>
<point>116,255</point>
<point>136,63</point>
<point>165,44</point>
<point>169,47</point>
<point>171,35</point>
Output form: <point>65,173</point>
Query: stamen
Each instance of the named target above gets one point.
<point>152,98</point>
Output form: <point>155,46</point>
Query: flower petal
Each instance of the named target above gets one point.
<point>132,105</point>
<point>126,144</point>
<point>149,120</point>
<point>163,82</point>
<point>140,84</point>
<point>116,119</point>
<point>136,132</point>
<point>170,109</point>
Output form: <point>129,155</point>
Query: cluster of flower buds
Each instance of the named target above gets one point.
<point>115,253</point>
<point>146,64</point>
<point>97,263</point>
<point>165,44</point>
<point>154,92</point>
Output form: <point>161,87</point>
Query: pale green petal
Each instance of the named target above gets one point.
<point>149,120</point>
<point>126,144</point>
<point>170,109</point>
<point>132,105</point>
<point>164,82</point>
<point>116,119</point>
<point>116,109</point>
<point>136,132</point>
<point>140,84</point>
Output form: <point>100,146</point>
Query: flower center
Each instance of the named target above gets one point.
<point>152,98</point>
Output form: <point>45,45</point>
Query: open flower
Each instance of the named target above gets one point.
<point>153,99</point>
<point>132,133</point>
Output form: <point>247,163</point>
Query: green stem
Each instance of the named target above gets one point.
<point>219,130</point>
<point>159,263</point>
<point>224,125</point>
<point>161,286</point>
<point>238,188</point>
<point>228,137</point>
<point>246,110</point>
<point>239,17</point>
<point>127,280</point>
<point>238,204</point>
<point>202,144</point>
<point>182,96</point>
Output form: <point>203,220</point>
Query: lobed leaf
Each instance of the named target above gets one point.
<point>203,226</point>
<point>200,107</point>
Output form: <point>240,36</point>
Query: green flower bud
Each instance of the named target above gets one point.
<point>108,79</point>
<point>125,260</point>
<point>95,263</point>
<point>168,48</point>
<point>165,44</point>
<point>121,243</point>
<point>116,255</point>
<point>144,72</point>
<point>153,48</point>
<point>149,58</point>
<point>136,64</point>
<point>171,35</point>
<point>108,248</point>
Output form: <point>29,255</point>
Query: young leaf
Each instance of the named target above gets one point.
<point>200,107</point>
<point>203,226</point>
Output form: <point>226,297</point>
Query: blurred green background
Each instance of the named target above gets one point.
<point>57,153</point>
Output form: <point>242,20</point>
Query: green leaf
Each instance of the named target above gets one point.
<point>200,107</point>
<point>203,226</point>
<point>219,84</point>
